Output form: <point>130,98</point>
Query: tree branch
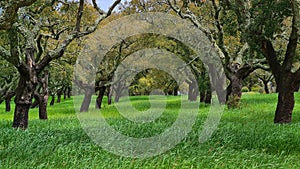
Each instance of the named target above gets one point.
<point>270,53</point>
<point>10,12</point>
<point>59,51</point>
<point>79,15</point>
<point>293,39</point>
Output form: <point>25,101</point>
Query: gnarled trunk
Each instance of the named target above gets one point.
<point>234,92</point>
<point>23,99</point>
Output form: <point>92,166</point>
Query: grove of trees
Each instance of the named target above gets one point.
<point>40,40</point>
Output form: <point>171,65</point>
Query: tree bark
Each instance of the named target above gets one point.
<point>193,91</point>
<point>7,105</point>
<point>286,100</point>
<point>202,96</point>
<point>234,92</point>
<point>43,108</point>
<point>59,96</point>
<point>52,100</point>
<point>109,95</point>
<point>65,93</point>
<point>8,100</point>
<point>86,100</point>
<point>35,104</point>
<point>44,98</point>
<point>100,97</point>
<point>208,97</point>
<point>23,99</point>
<point>176,88</point>
<point>266,87</point>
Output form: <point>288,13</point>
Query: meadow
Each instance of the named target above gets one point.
<point>245,138</point>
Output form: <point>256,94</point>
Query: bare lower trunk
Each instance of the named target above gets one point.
<point>193,91</point>
<point>234,92</point>
<point>23,101</point>
<point>286,101</point>
<point>86,100</point>
<point>35,104</point>
<point>58,97</point>
<point>52,100</point>
<point>7,105</point>
<point>8,100</point>
<point>43,108</point>
<point>65,93</point>
<point>284,107</point>
<point>266,87</point>
<point>44,98</point>
<point>69,92</point>
<point>117,97</point>
<point>175,92</point>
<point>109,95</point>
<point>100,97</point>
<point>202,96</point>
<point>208,97</point>
<point>21,116</point>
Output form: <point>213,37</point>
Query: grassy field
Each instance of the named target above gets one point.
<point>245,138</point>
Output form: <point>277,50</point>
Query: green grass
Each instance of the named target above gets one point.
<point>246,138</point>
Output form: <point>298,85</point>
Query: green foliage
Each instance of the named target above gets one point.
<point>267,18</point>
<point>245,89</point>
<point>151,79</point>
<point>256,88</point>
<point>245,138</point>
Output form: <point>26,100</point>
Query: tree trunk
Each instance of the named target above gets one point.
<point>7,101</point>
<point>100,97</point>
<point>59,96</point>
<point>7,105</point>
<point>117,98</point>
<point>21,116</point>
<point>286,100</point>
<point>65,93</point>
<point>266,87</point>
<point>202,96</point>
<point>23,99</point>
<point>43,108</point>
<point>193,91</point>
<point>87,100</point>
<point>109,95</point>
<point>208,97</point>
<point>35,104</point>
<point>69,92</point>
<point>285,106</point>
<point>234,92</point>
<point>44,98</point>
<point>176,88</point>
<point>52,100</point>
